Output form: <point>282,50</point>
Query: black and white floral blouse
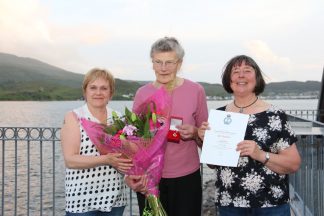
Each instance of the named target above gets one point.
<point>252,184</point>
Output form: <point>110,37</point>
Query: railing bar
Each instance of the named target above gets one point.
<point>131,203</point>
<point>41,171</point>
<point>3,173</point>
<point>53,155</point>
<point>28,171</point>
<point>16,168</point>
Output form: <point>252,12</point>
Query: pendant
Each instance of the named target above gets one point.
<point>241,109</point>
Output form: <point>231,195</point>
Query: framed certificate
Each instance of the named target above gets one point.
<point>227,129</point>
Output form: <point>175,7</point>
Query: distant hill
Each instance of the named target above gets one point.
<point>293,87</point>
<point>30,79</point>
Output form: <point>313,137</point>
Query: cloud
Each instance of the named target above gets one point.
<point>27,31</point>
<point>118,34</point>
<point>260,51</point>
<point>23,21</point>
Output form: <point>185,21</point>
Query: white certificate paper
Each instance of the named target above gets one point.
<point>227,129</point>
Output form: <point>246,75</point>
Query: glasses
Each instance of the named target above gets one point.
<point>167,64</point>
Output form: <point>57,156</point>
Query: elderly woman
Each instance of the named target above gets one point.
<point>94,184</point>
<point>259,184</point>
<point>180,186</point>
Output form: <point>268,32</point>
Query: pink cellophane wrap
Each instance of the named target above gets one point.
<point>147,154</point>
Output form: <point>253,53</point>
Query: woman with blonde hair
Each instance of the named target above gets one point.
<point>94,183</point>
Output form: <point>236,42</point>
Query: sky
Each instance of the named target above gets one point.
<point>285,37</point>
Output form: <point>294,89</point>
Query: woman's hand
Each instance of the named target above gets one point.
<point>202,129</point>
<point>118,162</point>
<point>187,131</point>
<point>249,148</point>
<point>137,183</point>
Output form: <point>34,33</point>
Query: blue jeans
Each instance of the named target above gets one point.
<point>281,210</point>
<point>116,211</point>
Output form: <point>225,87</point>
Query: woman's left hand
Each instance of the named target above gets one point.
<point>137,182</point>
<point>119,162</point>
<point>187,131</point>
<point>249,148</point>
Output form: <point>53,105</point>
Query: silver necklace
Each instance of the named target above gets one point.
<point>242,108</point>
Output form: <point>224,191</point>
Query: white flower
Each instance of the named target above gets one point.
<point>276,192</point>
<point>252,118</point>
<point>252,182</point>
<point>267,204</point>
<point>241,202</point>
<point>227,177</point>
<point>281,177</point>
<point>268,171</point>
<point>261,134</point>
<point>217,193</point>
<point>225,199</point>
<point>242,161</point>
<point>281,144</point>
<point>274,123</point>
<point>289,129</point>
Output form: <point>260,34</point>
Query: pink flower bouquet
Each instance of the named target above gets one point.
<point>140,137</point>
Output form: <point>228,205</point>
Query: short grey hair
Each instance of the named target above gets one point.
<point>167,44</point>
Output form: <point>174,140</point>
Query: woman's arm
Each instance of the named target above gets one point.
<point>70,141</point>
<point>285,162</point>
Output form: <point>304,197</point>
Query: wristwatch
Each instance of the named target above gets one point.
<point>267,157</point>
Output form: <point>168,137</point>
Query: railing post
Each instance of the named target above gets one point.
<point>3,173</point>
<point>41,172</point>
<point>16,168</point>
<point>53,161</point>
<point>28,173</point>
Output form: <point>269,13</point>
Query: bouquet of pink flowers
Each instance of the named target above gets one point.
<point>140,137</point>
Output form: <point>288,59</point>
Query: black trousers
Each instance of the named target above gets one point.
<point>180,196</point>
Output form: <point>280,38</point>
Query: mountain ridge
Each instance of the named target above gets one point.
<point>24,78</point>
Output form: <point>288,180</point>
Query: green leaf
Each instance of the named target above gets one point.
<point>133,117</point>
<point>114,115</point>
<point>122,137</point>
<point>128,115</point>
<point>112,130</point>
<point>119,124</point>
<point>148,109</point>
<point>154,118</point>
<point>154,106</point>
<point>147,133</point>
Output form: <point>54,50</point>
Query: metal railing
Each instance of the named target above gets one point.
<point>32,172</point>
<point>306,185</point>
<point>29,170</point>
<point>309,114</point>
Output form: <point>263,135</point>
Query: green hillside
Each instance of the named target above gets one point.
<point>30,79</point>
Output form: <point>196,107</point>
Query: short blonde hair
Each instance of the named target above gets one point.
<point>96,73</point>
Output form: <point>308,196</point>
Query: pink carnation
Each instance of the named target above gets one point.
<point>129,130</point>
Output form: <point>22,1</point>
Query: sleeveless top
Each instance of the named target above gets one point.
<point>99,188</point>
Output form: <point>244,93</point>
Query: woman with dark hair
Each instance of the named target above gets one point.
<point>259,184</point>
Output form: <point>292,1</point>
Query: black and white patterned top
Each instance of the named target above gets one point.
<point>252,184</point>
<point>99,188</point>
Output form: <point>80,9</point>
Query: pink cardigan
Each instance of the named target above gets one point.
<point>189,103</point>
